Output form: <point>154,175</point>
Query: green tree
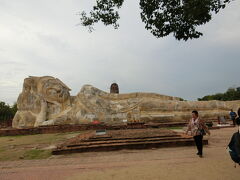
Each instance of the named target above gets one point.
<point>14,108</point>
<point>161,17</point>
<point>7,112</point>
<point>230,95</point>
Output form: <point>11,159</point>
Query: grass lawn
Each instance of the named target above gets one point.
<point>31,146</point>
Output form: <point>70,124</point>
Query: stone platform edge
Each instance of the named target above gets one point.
<point>84,127</point>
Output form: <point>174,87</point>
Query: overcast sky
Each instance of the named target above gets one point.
<point>41,38</point>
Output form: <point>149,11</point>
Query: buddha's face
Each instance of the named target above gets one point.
<point>55,90</point>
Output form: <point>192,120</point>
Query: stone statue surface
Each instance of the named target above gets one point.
<point>47,101</point>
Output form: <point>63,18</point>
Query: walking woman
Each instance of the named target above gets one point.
<point>197,127</point>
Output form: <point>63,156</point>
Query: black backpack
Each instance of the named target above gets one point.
<point>234,145</point>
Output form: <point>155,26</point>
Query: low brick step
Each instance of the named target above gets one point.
<point>170,124</point>
<point>109,138</point>
<point>120,146</point>
<point>220,127</point>
<point>86,143</point>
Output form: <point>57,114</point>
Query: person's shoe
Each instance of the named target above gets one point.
<point>197,153</point>
<point>200,155</point>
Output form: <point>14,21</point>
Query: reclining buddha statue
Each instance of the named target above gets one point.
<point>47,101</point>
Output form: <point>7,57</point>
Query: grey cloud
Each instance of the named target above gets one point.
<point>40,38</point>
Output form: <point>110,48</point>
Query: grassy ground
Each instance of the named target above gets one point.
<point>31,146</point>
<point>175,127</point>
<point>34,146</point>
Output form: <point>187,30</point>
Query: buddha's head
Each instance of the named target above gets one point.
<point>53,90</point>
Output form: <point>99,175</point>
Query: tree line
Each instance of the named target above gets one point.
<point>230,95</point>
<point>7,112</point>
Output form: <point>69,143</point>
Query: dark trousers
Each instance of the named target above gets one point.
<point>199,143</point>
<point>233,120</point>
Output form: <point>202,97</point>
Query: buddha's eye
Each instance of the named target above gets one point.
<point>52,91</point>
